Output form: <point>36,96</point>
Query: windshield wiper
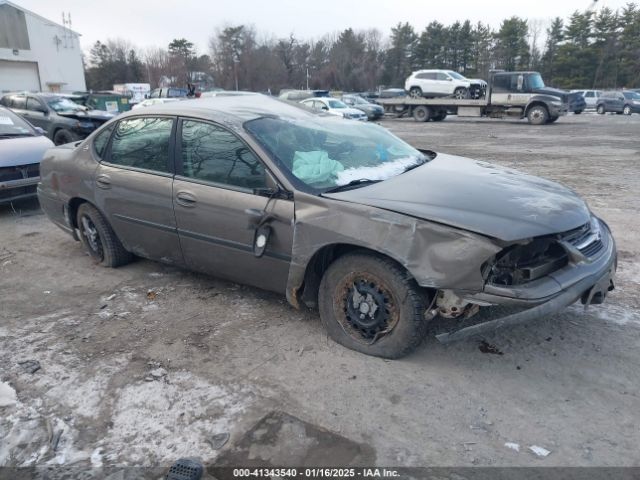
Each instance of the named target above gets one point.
<point>352,184</point>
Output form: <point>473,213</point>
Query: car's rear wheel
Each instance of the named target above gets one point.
<point>415,92</point>
<point>370,304</point>
<point>99,239</point>
<point>439,116</point>
<point>62,136</point>
<point>578,112</point>
<point>537,115</point>
<point>421,113</point>
<point>461,93</point>
<point>627,110</point>
<point>600,109</point>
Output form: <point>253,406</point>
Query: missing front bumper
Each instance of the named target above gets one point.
<point>592,289</point>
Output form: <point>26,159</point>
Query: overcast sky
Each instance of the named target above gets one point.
<point>156,23</point>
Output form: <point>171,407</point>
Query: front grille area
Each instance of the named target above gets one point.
<point>18,173</point>
<point>588,242</point>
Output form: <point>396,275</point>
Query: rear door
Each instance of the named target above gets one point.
<point>216,181</point>
<point>133,187</point>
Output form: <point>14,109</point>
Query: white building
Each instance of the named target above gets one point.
<point>37,54</point>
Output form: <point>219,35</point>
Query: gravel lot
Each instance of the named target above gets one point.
<point>146,363</point>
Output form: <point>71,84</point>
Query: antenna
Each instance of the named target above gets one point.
<point>68,34</point>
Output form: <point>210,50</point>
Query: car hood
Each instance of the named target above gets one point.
<point>348,110</point>
<point>23,150</point>
<point>87,115</point>
<point>556,92</point>
<point>476,196</point>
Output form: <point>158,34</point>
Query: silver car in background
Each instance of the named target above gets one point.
<point>21,149</point>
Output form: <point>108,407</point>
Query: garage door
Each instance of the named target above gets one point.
<point>18,76</point>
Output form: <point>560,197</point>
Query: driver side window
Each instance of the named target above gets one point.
<point>213,154</point>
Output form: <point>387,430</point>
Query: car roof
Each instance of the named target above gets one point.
<point>230,110</point>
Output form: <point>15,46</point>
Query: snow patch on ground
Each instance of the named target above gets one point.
<point>154,422</point>
<point>609,312</point>
<point>7,395</point>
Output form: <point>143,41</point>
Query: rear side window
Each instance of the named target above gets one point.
<point>590,95</point>
<point>214,154</point>
<point>101,140</point>
<point>19,102</point>
<point>142,143</point>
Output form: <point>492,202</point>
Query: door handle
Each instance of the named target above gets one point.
<point>103,181</point>
<point>186,199</point>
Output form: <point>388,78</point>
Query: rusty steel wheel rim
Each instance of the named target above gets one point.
<point>365,307</point>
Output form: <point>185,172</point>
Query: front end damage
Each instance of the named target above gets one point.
<point>543,275</point>
<point>462,271</point>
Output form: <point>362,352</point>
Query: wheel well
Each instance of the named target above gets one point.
<point>536,104</point>
<point>320,262</point>
<point>73,206</point>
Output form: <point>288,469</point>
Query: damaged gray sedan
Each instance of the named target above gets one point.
<point>338,215</point>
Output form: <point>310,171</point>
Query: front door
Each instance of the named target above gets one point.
<point>216,183</point>
<point>133,187</point>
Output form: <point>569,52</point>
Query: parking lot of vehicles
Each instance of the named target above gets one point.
<point>345,189</point>
<point>62,119</point>
<point>509,94</point>
<point>443,83</point>
<point>622,102</point>
<point>135,92</point>
<point>21,149</point>
<point>336,107</point>
<point>372,110</point>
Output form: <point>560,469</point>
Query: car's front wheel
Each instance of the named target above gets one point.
<point>415,92</point>
<point>600,109</point>
<point>62,136</point>
<point>370,304</point>
<point>461,93</point>
<point>627,110</point>
<point>99,239</point>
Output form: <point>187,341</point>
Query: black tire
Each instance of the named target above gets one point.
<point>626,110</point>
<point>439,117</point>
<point>578,112</point>
<point>415,92</point>
<point>99,239</point>
<point>391,331</point>
<point>421,113</point>
<point>62,136</point>
<point>601,109</point>
<point>538,115</point>
<point>552,119</point>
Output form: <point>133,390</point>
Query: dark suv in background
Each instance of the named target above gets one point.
<point>63,120</point>
<point>626,102</point>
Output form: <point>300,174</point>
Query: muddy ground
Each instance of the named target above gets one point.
<point>143,364</point>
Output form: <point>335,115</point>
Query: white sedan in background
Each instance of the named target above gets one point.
<point>154,101</point>
<point>335,107</point>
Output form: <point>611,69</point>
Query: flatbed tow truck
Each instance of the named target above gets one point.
<point>509,95</point>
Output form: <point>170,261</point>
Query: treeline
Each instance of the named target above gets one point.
<point>588,50</point>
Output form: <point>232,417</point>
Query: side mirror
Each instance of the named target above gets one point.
<point>324,107</point>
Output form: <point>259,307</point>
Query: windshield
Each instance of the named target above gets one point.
<point>327,152</point>
<point>456,75</point>
<point>359,101</point>
<point>61,104</point>
<point>535,81</point>
<point>336,104</point>
<point>13,126</point>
